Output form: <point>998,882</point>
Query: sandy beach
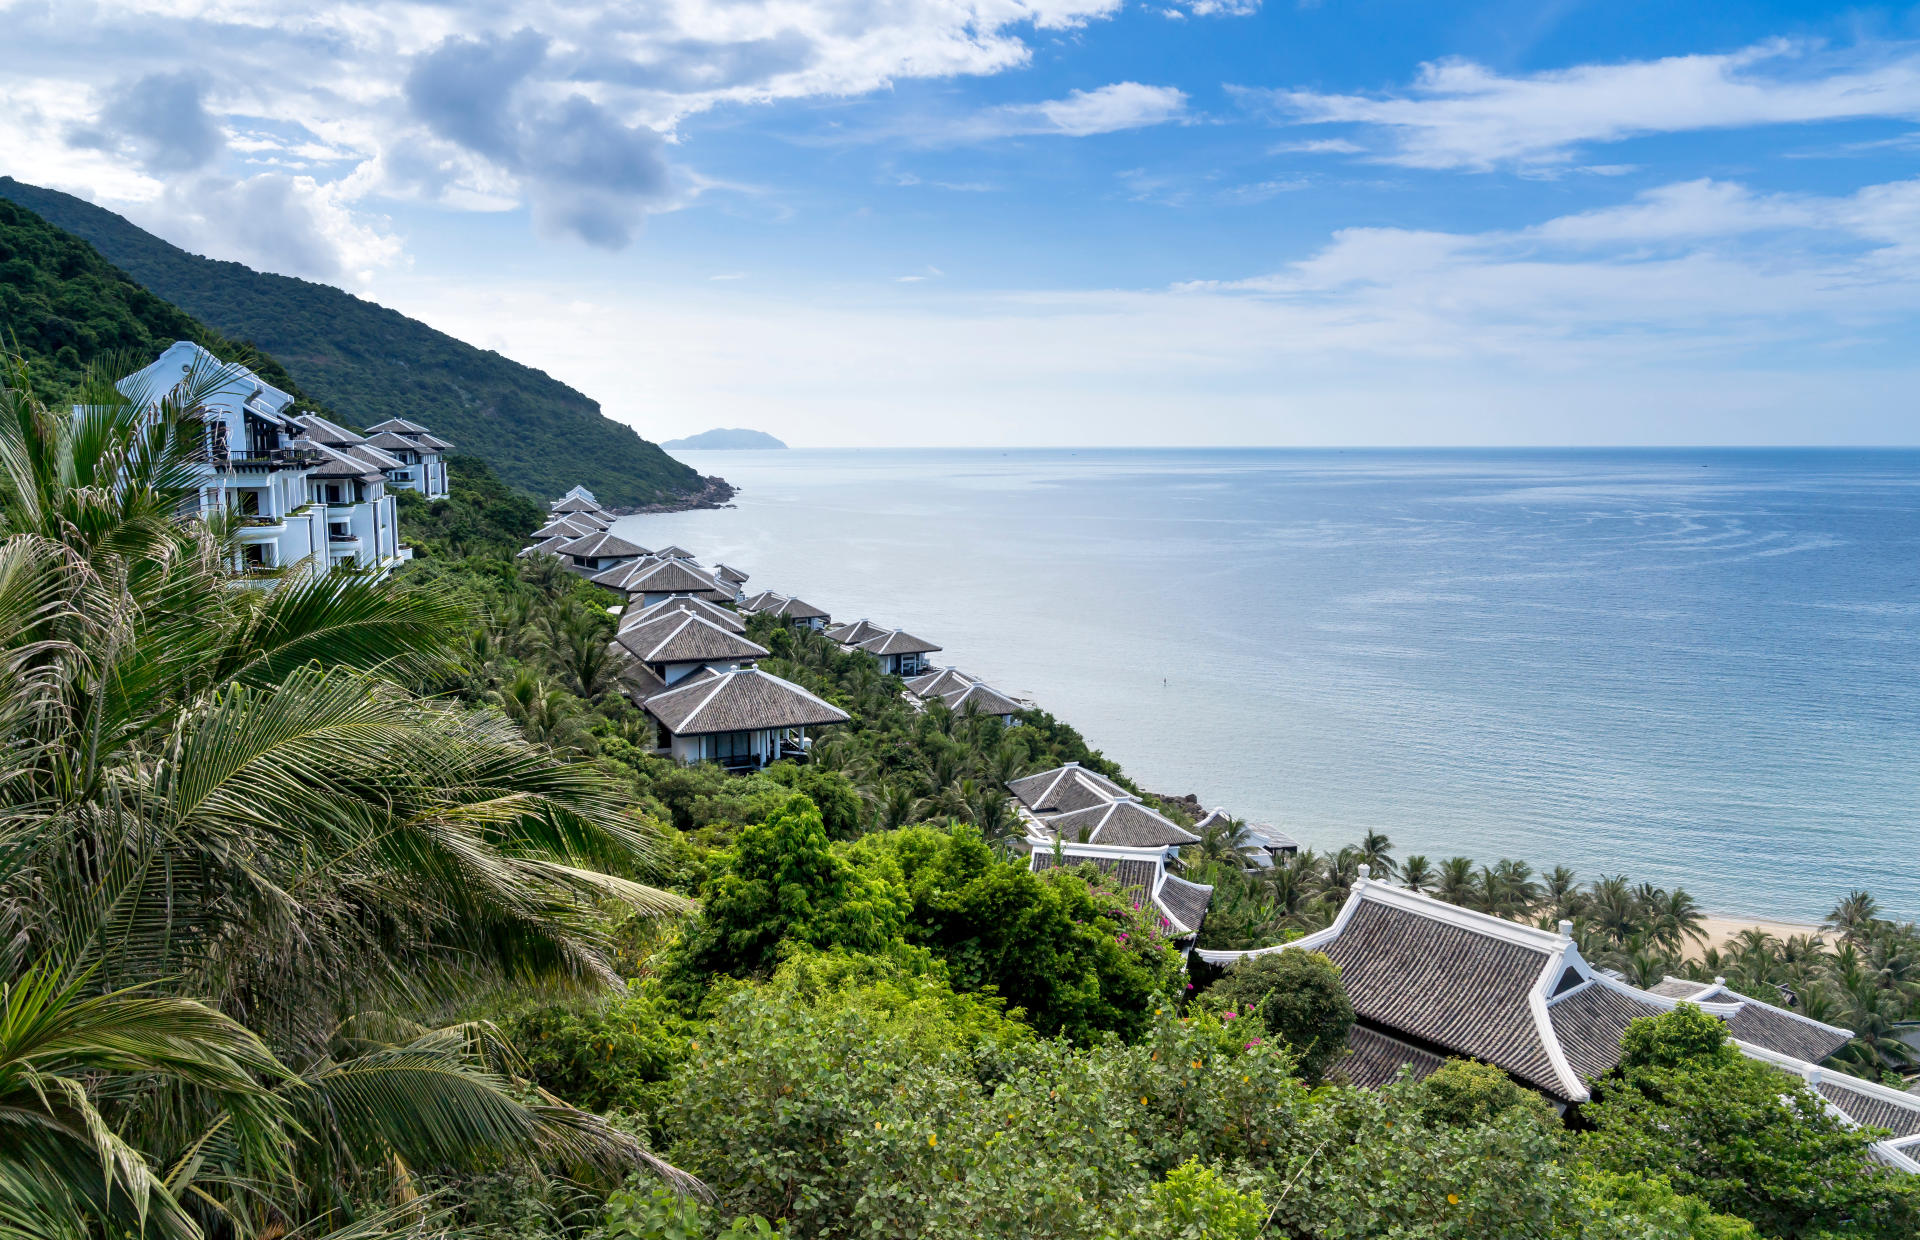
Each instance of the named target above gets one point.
<point>1720,930</point>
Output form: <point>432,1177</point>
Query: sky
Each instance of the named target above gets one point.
<point>1055,222</point>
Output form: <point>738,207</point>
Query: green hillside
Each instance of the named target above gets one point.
<point>62,305</point>
<point>368,363</point>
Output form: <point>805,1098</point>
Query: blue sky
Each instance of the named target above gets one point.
<point>1055,221</point>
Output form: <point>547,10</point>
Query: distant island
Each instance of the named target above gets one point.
<point>724,440</point>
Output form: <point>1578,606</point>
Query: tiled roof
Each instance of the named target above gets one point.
<point>321,430</point>
<point>1065,788</point>
<point>1871,1109</point>
<point>546,546</point>
<point>1763,1024</point>
<point>399,426</point>
<point>1447,984</point>
<point>336,463</point>
<point>1589,1022</point>
<point>431,442</point>
<point>576,504</point>
<point>797,609</point>
<point>855,633</point>
<point>897,642</point>
<point>1377,1058</point>
<point>1184,902</point>
<point>764,601</point>
<point>1125,823</point>
<point>686,638</point>
<point>739,701</point>
<point>1679,988</point>
<point>1182,905</point>
<point>727,572</point>
<point>602,545</point>
<point>934,684</point>
<point>982,699</point>
<point>568,526</point>
<point>693,606</point>
<point>373,456</point>
<point>390,442</point>
<point>671,552</point>
<point>666,577</point>
<point>1127,872</point>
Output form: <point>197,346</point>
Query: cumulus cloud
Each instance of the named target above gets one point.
<point>160,120</point>
<point>275,222</point>
<point>1457,114</point>
<point>587,173</point>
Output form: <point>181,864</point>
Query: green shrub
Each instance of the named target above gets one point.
<point>661,1214</point>
<point>616,1054</point>
<point>1295,996</point>
<point>1465,1092</point>
<point>1194,1203</point>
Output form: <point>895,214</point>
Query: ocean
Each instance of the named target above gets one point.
<point>1699,668</point>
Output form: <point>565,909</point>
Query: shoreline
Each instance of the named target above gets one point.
<point>1722,930</point>
<point>715,492</point>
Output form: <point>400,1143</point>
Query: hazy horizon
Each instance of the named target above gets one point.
<point>1377,223</point>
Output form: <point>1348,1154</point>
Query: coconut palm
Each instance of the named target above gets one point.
<point>1456,884</point>
<point>1377,851</point>
<point>1560,889</point>
<point>1507,889</point>
<point>1416,873</point>
<point>1674,917</point>
<point>1854,916</point>
<point>233,796</point>
<point>1225,842</point>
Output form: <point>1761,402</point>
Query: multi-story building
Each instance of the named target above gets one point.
<point>302,491</point>
<point>421,453</point>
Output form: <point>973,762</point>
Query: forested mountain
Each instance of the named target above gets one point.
<point>368,363</point>
<point>62,305</point>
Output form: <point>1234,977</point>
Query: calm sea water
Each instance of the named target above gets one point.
<point>1698,667</point>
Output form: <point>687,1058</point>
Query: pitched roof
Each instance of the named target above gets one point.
<point>321,430</point>
<point>568,526</point>
<point>671,552</point>
<point>896,642</point>
<point>683,637</point>
<point>399,426</point>
<point>739,701</point>
<point>799,609</point>
<point>682,603</point>
<point>936,684</point>
<point>1182,905</point>
<point>727,572</point>
<point>659,576</point>
<point>855,633</point>
<point>574,503</point>
<point>764,601</point>
<point>1376,1058</point>
<point>335,463</point>
<point>546,546</point>
<point>432,442</point>
<point>373,456</point>
<point>982,699</point>
<point>1124,822</point>
<point>1065,788</point>
<point>601,545</point>
<point>1761,1023</point>
<point>391,442</point>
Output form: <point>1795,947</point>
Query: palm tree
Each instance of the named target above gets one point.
<point>1612,909</point>
<point>1377,851</point>
<point>1561,891</point>
<point>1456,885</point>
<point>1854,916</point>
<point>1338,872</point>
<point>1507,889</point>
<point>1416,874</point>
<point>234,796</point>
<point>1675,917</point>
<point>1225,842</point>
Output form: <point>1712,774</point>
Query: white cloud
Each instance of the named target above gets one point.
<point>1697,313</point>
<point>1083,113</point>
<point>1458,114</point>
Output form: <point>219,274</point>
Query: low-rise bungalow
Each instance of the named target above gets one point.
<point>978,699</point>
<point>570,503</point>
<point>1063,790</point>
<point>742,719</point>
<point>1270,844</point>
<point>930,685</point>
<point>900,653</point>
<point>577,492</point>
<point>1125,821</point>
<point>800,614</point>
<point>766,600</point>
<point>671,552</point>
<point>851,635</point>
<point>654,580</point>
<point>596,553</point>
<point>710,612</point>
<point>1430,981</point>
<point>676,645</point>
<point>567,527</point>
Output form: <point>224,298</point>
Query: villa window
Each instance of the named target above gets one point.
<point>253,556</point>
<point>732,746</point>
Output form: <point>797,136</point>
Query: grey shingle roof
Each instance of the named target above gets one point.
<point>727,572</point>
<point>567,526</point>
<point>335,463</point>
<point>764,601</point>
<point>387,441</point>
<point>1679,988</point>
<point>798,609</point>
<point>1377,1058</point>
<point>1780,1030</point>
<point>1185,903</point>
<point>686,638</point>
<point>431,442</point>
<point>1446,985</point>
<point>576,504</point>
<point>600,545</point>
<point>1589,1021</point>
<point>373,456</point>
<point>1065,788</point>
<point>666,577</point>
<point>546,546</point>
<point>982,699</point>
<point>855,633</point>
<point>672,552</point>
<point>935,684</point>
<point>1127,872</point>
<point>709,612</point>
<point>1123,823</point>
<point>321,430</point>
<point>1871,1110</point>
<point>896,641</point>
<point>739,701</point>
<point>399,426</point>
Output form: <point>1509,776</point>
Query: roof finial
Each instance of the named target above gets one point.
<point>1813,1077</point>
<point>1566,928</point>
<point>1366,871</point>
<point>1719,981</point>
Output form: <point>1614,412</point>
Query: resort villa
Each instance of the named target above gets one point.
<point>421,455</point>
<point>1431,980</point>
<point>305,491</point>
<point>598,552</point>
<point>900,653</point>
<point>741,719</point>
<point>963,695</point>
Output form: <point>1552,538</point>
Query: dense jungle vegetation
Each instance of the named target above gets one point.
<point>354,909</point>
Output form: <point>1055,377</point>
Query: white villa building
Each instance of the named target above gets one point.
<point>304,490</point>
<point>423,465</point>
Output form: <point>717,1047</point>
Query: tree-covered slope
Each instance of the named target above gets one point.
<point>368,363</point>
<point>62,306</point>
